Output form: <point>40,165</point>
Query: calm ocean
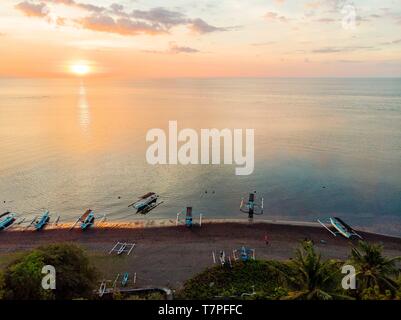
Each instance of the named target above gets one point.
<point>322,147</point>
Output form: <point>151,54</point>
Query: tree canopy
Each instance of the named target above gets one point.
<point>75,277</point>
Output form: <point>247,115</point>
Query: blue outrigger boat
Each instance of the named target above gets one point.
<point>188,217</point>
<point>125,279</point>
<point>246,253</point>
<point>252,207</point>
<point>42,221</point>
<point>6,220</point>
<point>87,219</point>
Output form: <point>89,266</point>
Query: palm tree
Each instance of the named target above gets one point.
<point>372,268</point>
<point>312,278</point>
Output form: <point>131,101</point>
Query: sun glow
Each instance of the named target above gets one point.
<point>80,69</point>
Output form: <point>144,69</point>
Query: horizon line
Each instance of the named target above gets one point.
<point>9,77</point>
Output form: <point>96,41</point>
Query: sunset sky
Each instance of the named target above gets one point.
<point>202,38</point>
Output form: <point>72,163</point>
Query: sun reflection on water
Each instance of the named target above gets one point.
<point>84,111</point>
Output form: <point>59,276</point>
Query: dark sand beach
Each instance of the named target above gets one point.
<point>167,255</point>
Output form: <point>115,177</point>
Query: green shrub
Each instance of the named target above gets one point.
<point>259,278</point>
<point>75,277</point>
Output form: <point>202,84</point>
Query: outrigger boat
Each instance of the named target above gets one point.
<point>125,279</point>
<point>6,220</point>
<point>116,285</point>
<point>87,220</point>
<point>188,218</point>
<point>252,206</point>
<point>146,203</point>
<point>102,289</point>
<point>338,226</point>
<point>42,221</point>
<point>245,254</point>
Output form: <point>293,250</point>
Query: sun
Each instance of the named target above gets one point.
<point>80,69</point>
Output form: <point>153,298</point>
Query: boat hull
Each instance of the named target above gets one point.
<point>340,228</point>
<point>7,221</point>
<point>88,222</point>
<point>142,204</point>
<point>43,221</point>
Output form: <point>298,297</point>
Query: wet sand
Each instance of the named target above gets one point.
<point>167,255</point>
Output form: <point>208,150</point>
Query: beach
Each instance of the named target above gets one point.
<point>166,255</point>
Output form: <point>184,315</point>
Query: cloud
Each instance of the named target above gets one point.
<point>72,3</point>
<point>162,16</point>
<point>200,26</point>
<point>60,21</point>
<point>341,49</point>
<point>122,26</point>
<point>349,61</point>
<point>174,48</point>
<point>397,41</point>
<point>261,44</point>
<point>155,22</point>
<point>116,19</point>
<point>274,16</point>
<point>312,5</point>
<point>169,19</point>
<point>90,7</point>
<point>328,50</point>
<point>336,4</point>
<point>32,9</point>
<point>117,7</point>
<point>327,20</point>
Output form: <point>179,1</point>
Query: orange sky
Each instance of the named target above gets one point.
<point>148,39</point>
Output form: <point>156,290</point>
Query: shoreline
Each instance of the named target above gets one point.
<point>167,223</point>
<point>166,255</point>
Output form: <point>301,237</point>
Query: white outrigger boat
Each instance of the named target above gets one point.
<point>338,226</point>
<point>146,203</point>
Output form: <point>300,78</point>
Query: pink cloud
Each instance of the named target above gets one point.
<point>31,9</point>
<point>120,26</point>
<point>274,16</point>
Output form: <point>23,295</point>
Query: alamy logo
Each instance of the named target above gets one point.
<point>349,17</point>
<point>348,282</point>
<point>49,280</point>
<point>210,140</point>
